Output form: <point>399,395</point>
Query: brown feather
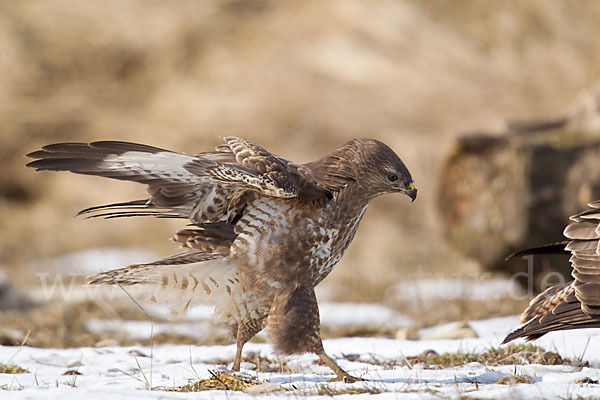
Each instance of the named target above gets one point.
<point>293,323</point>
<point>575,304</point>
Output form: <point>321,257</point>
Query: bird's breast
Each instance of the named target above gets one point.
<point>283,242</point>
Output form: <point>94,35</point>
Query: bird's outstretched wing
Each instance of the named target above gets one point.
<point>575,304</point>
<point>173,190</point>
<point>198,187</point>
<point>210,189</point>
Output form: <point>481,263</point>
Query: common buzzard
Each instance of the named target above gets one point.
<point>265,231</point>
<point>575,304</point>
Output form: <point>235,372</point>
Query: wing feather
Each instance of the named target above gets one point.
<point>576,304</point>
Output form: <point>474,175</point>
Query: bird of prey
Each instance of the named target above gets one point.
<point>575,304</point>
<point>264,230</point>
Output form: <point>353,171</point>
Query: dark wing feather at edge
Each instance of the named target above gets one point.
<point>576,304</point>
<point>171,189</point>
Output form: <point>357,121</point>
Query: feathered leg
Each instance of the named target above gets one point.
<point>245,332</point>
<point>294,327</point>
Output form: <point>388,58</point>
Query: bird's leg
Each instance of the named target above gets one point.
<point>245,332</point>
<point>342,375</point>
<point>238,356</point>
<point>294,326</point>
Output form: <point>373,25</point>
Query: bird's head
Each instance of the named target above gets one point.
<point>381,171</point>
<point>396,182</point>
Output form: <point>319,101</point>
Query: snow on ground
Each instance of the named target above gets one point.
<point>448,288</point>
<point>121,372</point>
<point>126,372</point>
<point>372,315</point>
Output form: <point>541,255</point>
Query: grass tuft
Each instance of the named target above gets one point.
<point>512,354</point>
<point>218,381</point>
<point>514,379</point>
<point>262,363</point>
<point>11,369</point>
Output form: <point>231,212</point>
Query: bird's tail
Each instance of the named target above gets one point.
<point>555,309</point>
<point>180,287</point>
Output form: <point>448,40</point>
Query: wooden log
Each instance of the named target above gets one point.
<point>502,193</point>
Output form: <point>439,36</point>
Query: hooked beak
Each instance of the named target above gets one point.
<point>410,190</point>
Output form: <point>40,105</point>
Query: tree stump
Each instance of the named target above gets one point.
<point>503,193</point>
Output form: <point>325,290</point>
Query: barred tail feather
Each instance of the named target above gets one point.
<point>181,287</point>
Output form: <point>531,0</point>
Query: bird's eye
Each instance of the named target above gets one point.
<point>392,177</point>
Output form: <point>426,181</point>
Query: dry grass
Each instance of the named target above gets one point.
<point>54,325</point>
<point>515,379</point>
<point>219,381</point>
<point>12,369</point>
<point>356,331</point>
<point>64,325</point>
<point>262,363</point>
<point>325,390</point>
<point>437,312</point>
<point>508,355</point>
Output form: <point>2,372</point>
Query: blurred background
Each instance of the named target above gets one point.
<point>428,78</point>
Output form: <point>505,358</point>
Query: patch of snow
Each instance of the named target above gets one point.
<point>145,329</point>
<point>446,288</point>
<point>367,314</point>
<point>496,328</point>
<point>91,261</point>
